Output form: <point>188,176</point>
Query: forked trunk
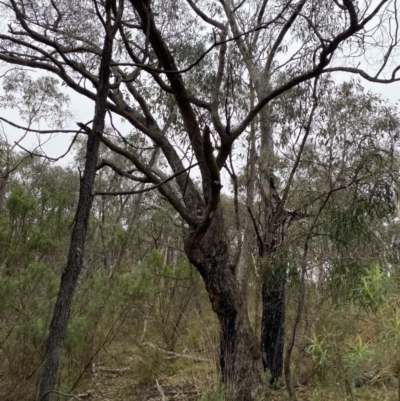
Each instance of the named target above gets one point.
<point>238,353</point>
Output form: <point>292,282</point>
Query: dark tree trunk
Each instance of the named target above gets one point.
<point>273,326</point>
<point>3,186</point>
<point>69,279</point>
<point>273,287</point>
<point>239,354</point>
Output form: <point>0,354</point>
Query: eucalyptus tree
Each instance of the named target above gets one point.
<point>35,100</point>
<point>345,187</point>
<point>266,54</point>
<point>187,59</point>
<point>38,211</point>
<point>8,166</point>
<point>40,203</point>
<point>352,156</point>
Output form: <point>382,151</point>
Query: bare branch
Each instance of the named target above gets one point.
<point>205,17</point>
<point>366,76</point>
<point>200,58</point>
<point>176,204</point>
<point>54,159</point>
<point>141,191</point>
<point>282,34</point>
<point>122,173</point>
<point>40,131</point>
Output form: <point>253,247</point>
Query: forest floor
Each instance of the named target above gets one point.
<point>136,378</point>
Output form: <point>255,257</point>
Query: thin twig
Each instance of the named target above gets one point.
<point>215,44</point>
<point>51,131</point>
<point>59,393</point>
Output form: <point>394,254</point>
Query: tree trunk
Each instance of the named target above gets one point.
<point>69,279</point>
<point>273,326</point>
<point>3,187</point>
<point>245,256</point>
<point>273,295</point>
<point>273,288</point>
<point>238,352</point>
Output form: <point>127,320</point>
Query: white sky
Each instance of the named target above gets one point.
<point>388,91</point>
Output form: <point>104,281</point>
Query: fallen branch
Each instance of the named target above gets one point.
<point>116,371</point>
<point>85,395</point>
<point>174,355</point>
<point>76,397</point>
<point>161,391</point>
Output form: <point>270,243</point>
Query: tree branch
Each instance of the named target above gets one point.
<point>205,17</point>
<point>141,191</point>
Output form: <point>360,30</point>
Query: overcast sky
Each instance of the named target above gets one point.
<point>82,110</point>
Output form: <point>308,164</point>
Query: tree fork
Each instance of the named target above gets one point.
<point>239,354</point>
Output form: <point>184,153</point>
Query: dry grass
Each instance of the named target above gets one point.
<point>130,375</point>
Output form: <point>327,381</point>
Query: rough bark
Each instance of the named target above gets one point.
<point>273,287</point>
<point>238,352</point>
<point>3,185</point>
<point>273,316</point>
<point>58,326</point>
<point>273,327</point>
<point>69,279</point>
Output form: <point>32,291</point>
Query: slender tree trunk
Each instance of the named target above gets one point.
<point>257,311</point>
<point>58,326</point>
<point>273,288</point>
<point>248,236</point>
<point>3,186</point>
<point>290,344</point>
<point>69,279</point>
<point>238,352</point>
<point>5,176</point>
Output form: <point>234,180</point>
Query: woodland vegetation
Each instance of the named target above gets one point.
<point>229,227</point>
